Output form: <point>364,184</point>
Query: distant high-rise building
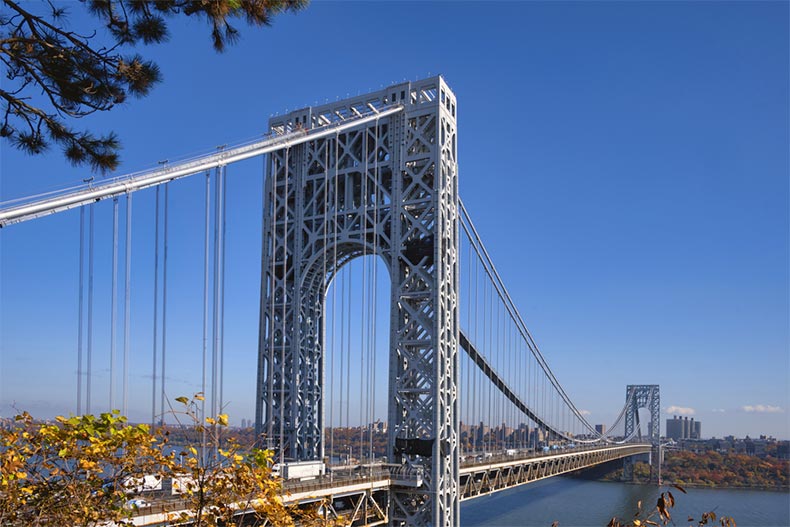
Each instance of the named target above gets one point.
<point>683,428</point>
<point>600,429</point>
<point>675,428</point>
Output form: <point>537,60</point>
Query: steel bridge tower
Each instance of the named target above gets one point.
<point>387,188</point>
<point>644,396</point>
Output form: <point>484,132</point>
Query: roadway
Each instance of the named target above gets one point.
<point>360,494</point>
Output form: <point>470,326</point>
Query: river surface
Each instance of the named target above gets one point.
<point>582,503</point>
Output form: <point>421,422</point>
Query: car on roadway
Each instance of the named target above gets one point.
<point>136,503</point>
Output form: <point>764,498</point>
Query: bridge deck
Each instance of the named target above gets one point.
<point>346,494</point>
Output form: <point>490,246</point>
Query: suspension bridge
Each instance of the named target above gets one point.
<point>467,404</point>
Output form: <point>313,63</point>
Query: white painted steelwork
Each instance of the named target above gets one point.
<point>386,187</point>
<point>284,138</point>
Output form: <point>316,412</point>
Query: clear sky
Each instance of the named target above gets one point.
<point>626,164</point>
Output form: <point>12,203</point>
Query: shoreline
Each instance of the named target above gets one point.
<point>703,486</point>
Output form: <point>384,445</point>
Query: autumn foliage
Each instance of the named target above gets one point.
<point>712,469</point>
<point>82,470</point>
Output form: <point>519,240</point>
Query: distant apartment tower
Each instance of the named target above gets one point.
<point>683,428</point>
<point>600,429</point>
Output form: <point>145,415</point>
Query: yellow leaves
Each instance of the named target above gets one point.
<point>221,420</point>
<point>85,464</point>
<point>63,464</point>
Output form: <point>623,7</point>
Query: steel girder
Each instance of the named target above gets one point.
<point>387,188</point>
<point>485,478</point>
<point>644,396</point>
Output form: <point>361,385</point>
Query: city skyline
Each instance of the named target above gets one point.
<point>625,164</point>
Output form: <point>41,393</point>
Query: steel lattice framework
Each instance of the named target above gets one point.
<point>644,396</point>
<point>372,175</point>
<point>387,188</point>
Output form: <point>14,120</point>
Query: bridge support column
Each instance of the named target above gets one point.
<point>387,188</point>
<point>643,396</point>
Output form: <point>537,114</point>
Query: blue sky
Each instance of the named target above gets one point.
<point>626,164</point>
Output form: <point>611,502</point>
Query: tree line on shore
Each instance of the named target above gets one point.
<point>714,469</point>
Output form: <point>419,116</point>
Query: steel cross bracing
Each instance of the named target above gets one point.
<point>644,396</point>
<point>386,187</point>
<point>372,175</point>
<point>490,476</point>
<point>280,137</point>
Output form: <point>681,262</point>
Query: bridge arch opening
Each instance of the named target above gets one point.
<point>356,360</point>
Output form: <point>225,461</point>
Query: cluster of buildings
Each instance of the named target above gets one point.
<point>683,428</point>
<point>501,436</point>
<point>759,447</point>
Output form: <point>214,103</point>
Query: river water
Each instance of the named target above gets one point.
<point>583,503</point>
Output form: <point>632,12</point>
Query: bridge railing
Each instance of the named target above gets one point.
<point>486,458</point>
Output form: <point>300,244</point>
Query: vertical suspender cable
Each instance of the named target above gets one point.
<point>113,300</point>
<point>490,342</point>
<point>496,357</point>
<point>207,222</point>
<point>217,276</point>
<point>332,308</point>
<point>164,307</point>
<point>348,347</point>
<point>223,218</point>
<point>374,280</point>
<point>516,417</point>
<point>477,394</point>
<point>335,219</point>
<point>272,294</point>
<point>127,304</point>
<point>215,304</point>
<point>363,378</point>
<point>366,270</point>
<point>283,337</point>
<point>156,310</point>
<point>80,310</point>
<point>467,395</point>
<point>89,357</point>
<point>342,321</point>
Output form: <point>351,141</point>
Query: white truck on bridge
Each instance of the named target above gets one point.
<point>301,470</point>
